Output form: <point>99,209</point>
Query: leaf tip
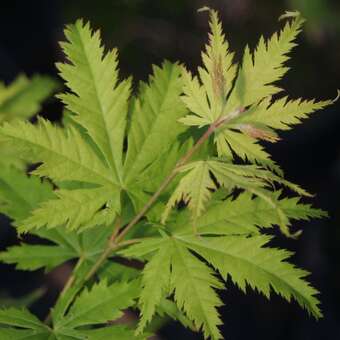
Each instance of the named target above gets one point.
<point>290,14</point>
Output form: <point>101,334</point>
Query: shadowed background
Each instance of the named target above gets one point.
<point>146,32</point>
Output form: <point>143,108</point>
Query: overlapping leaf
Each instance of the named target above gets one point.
<point>191,281</point>
<point>98,99</point>
<point>21,100</point>
<point>196,186</point>
<point>21,324</point>
<point>243,215</point>
<point>207,97</point>
<point>23,97</point>
<point>242,257</point>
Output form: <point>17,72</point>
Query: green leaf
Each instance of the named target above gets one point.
<point>194,188</point>
<point>155,284</point>
<point>191,281</point>
<point>98,99</point>
<point>20,194</point>
<point>32,327</point>
<point>20,318</point>
<point>282,114</point>
<point>245,147</point>
<point>265,66</point>
<point>64,156</point>
<point>72,208</point>
<point>32,257</point>
<point>247,261</point>
<point>113,332</point>
<point>101,304</point>
<point>245,214</point>
<point>24,334</point>
<point>23,97</point>
<point>207,95</point>
<point>168,307</point>
<point>154,126</point>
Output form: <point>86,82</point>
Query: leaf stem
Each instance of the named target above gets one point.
<point>67,285</point>
<point>116,239</point>
<point>220,121</point>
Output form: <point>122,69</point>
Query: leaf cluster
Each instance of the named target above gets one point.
<point>173,177</point>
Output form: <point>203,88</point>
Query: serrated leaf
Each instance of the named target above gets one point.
<point>64,156</point>
<point>258,71</point>
<point>24,334</point>
<point>206,96</point>
<point>193,283</point>
<point>155,284</point>
<point>154,126</point>
<point>229,142</point>
<point>168,307</point>
<point>194,188</point>
<point>32,257</point>
<point>247,261</point>
<point>20,194</point>
<point>101,304</point>
<point>23,97</point>
<point>19,317</point>
<point>72,208</point>
<point>282,114</point>
<point>99,101</point>
<point>114,332</point>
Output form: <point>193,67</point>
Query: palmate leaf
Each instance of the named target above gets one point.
<point>69,155</point>
<point>22,194</point>
<point>100,105</point>
<point>103,165</point>
<point>242,257</point>
<point>99,305</point>
<point>66,157</point>
<point>252,91</point>
<point>191,281</point>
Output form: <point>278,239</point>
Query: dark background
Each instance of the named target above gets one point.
<point>146,32</point>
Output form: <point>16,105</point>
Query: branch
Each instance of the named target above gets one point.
<point>116,239</point>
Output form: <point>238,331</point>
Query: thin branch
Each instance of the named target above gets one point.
<point>116,239</point>
<point>67,285</point>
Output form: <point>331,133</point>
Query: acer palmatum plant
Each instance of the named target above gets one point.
<point>174,177</point>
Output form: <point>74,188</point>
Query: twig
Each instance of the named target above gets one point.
<point>116,239</point>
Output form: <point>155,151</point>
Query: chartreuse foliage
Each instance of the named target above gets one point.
<point>173,177</point>
<point>21,99</point>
